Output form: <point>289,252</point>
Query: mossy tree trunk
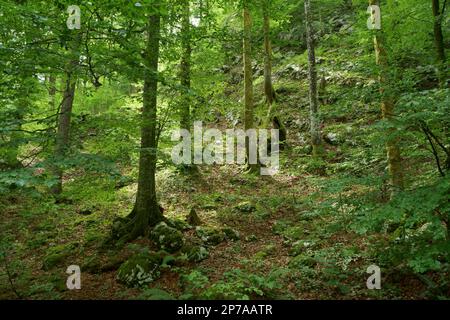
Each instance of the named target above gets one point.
<point>387,108</point>
<point>248,81</point>
<point>316,140</point>
<point>65,113</point>
<point>146,211</point>
<point>269,92</point>
<point>185,66</point>
<point>439,41</point>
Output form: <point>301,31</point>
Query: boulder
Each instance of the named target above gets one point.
<point>196,253</point>
<point>245,207</point>
<point>210,236</point>
<point>140,269</point>
<point>231,234</point>
<point>167,238</point>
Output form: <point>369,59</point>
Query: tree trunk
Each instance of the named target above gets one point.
<point>316,140</point>
<point>185,72</point>
<point>146,211</point>
<point>52,92</point>
<point>387,108</point>
<point>273,116</point>
<point>248,81</point>
<point>65,114</point>
<point>439,41</point>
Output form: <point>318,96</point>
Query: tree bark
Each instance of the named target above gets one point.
<point>52,92</point>
<point>316,140</point>
<point>439,41</point>
<point>387,108</point>
<point>269,92</point>
<point>146,211</point>
<point>65,114</point>
<point>248,81</point>
<point>185,66</point>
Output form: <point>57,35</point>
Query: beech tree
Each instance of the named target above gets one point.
<point>146,211</point>
<point>316,139</point>
<point>248,80</point>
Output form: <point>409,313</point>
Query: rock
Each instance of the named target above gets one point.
<point>140,269</point>
<point>293,71</point>
<point>302,260</point>
<point>299,247</point>
<point>231,234</point>
<point>245,207</point>
<point>331,138</point>
<point>179,224</point>
<point>193,218</point>
<point>210,236</point>
<point>196,253</point>
<point>167,238</point>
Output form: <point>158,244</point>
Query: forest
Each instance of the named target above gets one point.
<point>224,150</point>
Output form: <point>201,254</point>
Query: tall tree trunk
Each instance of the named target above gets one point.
<point>65,114</point>
<point>248,81</point>
<point>146,211</point>
<point>316,140</point>
<point>12,154</point>
<point>387,108</point>
<point>273,116</point>
<point>439,41</point>
<point>185,66</point>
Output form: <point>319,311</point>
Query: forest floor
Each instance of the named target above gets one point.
<point>295,235</point>
<point>275,218</point>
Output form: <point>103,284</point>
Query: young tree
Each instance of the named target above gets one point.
<point>185,65</point>
<point>268,86</point>
<point>248,80</point>
<point>387,107</point>
<point>316,140</point>
<point>65,114</point>
<point>146,210</point>
<point>439,39</point>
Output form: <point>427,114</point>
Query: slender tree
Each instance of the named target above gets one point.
<point>269,92</point>
<point>65,113</point>
<point>248,79</point>
<point>316,140</point>
<point>185,65</point>
<point>387,107</point>
<point>439,39</point>
<point>146,211</point>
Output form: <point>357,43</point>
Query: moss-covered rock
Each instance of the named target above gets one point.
<point>302,260</point>
<point>245,207</point>
<point>210,236</point>
<point>195,253</point>
<point>167,238</point>
<point>231,234</point>
<point>300,246</point>
<point>140,269</point>
<point>179,224</point>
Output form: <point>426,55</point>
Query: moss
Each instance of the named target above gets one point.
<point>195,253</point>
<point>231,234</point>
<point>302,260</point>
<point>167,238</point>
<point>245,207</point>
<point>140,269</point>
<point>210,236</point>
